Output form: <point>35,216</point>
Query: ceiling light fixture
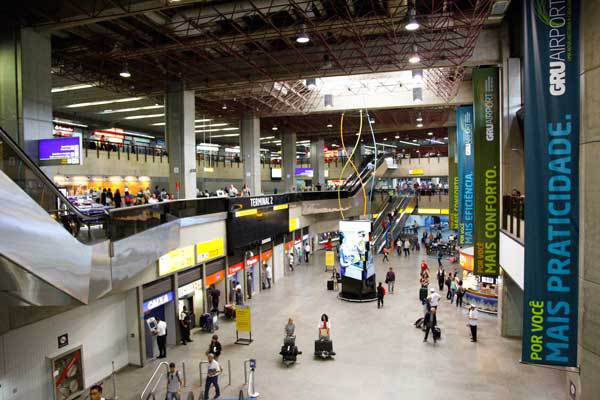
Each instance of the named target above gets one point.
<point>419,118</point>
<point>414,57</point>
<point>145,116</point>
<point>122,110</point>
<point>274,128</point>
<point>311,84</point>
<point>328,100</point>
<point>420,125</point>
<point>396,137</point>
<point>385,139</point>
<point>64,122</point>
<point>125,71</point>
<point>412,24</point>
<point>327,64</point>
<point>224,106</point>
<point>302,37</point>
<point>330,125</point>
<point>73,87</point>
<point>203,120</point>
<point>430,133</point>
<point>102,102</point>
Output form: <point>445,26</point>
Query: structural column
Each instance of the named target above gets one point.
<point>25,87</point>
<point>288,149</point>
<point>250,149</point>
<point>317,161</point>
<point>180,111</point>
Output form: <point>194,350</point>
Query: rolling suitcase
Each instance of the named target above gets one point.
<point>330,285</point>
<point>437,333</point>
<point>323,346</point>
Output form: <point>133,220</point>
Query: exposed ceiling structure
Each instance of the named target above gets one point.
<point>248,55</point>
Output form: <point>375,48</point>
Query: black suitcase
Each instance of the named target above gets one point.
<point>323,345</point>
<point>437,333</point>
<point>419,323</point>
<point>330,285</point>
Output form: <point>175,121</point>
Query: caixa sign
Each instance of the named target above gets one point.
<point>158,301</point>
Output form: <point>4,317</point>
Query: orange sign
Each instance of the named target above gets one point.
<point>216,277</point>
<point>266,255</point>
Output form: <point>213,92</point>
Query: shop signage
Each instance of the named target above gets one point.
<point>242,319</point>
<point>552,123</point>
<point>235,268</point>
<point>267,255</point>
<point>466,261</point>
<point>416,171</point>
<point>216,277</point>
<point>251,261</point>
<point>265,241</point>
<point>158,301</point>
<point>206,251</point>
<point>176,260</point>
<point>452,181</point>
<point>294,224</point>
<point>486,137</point>
<point>184,290</point>
<point>464,135</point>
<point>63,340</point>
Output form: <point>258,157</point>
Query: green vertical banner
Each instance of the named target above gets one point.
<point>452,180</point>
<point>486,137</point>
<point>552,123</point>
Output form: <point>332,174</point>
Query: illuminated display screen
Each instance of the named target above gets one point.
<point>60,151</point>
<point>245,228</point>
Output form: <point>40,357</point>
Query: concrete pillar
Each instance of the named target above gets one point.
<point>317,161</point>
<point>288,159</point>
<point>25,87</point>
<point>180,110</point>
<point>250,150</point>
<point>589,234</point>
<point>510,310</point>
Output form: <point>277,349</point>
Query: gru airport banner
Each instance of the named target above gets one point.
<point>464,143</point>
<point>452,181</point>
<point>486,138</point>
<point>552,97</point>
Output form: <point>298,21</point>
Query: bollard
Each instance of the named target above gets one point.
<point>183,370</point>
<point>229,371</point>
<point>114,382</point>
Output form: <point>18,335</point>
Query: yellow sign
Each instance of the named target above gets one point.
<point>329,259</point>
<point>244,213</point>
<point>175,260</point>
<point>280,207</point>
<point>416,171</point>
<point>242,319</point>
<point>209,250</point>
<point>433,211</point>
<point>294,224</point>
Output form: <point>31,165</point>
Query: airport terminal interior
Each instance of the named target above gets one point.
<point>268,199</point>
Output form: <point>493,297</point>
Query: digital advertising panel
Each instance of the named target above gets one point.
<point>60,151</point>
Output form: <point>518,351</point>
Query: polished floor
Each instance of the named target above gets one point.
<point>379,352</point>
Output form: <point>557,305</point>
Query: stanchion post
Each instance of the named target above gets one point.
<point>229,370</point>
<point>114,381</point>
<point>184,376</point>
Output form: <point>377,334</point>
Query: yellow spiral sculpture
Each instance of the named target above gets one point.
<point>351,164</point>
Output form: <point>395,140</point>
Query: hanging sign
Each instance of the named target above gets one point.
<point>552,123</point>
<point>452,181</point>
<point>464,135</point>
<point>486,129</point>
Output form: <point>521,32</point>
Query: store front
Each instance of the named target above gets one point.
<point>235,276</point>
<point>215,275</point>
<point>159,302</point>
<point>252,272</point>
<point>266,259</point>
<point>480,291</point>
<point>191,294</point>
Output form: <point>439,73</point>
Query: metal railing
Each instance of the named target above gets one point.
<point>150,394</point>
<point>513,215</point>
<point>201,363</point>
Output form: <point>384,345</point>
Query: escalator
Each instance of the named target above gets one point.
<point>383,234</point>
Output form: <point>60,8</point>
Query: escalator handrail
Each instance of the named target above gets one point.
<point>5,137</point>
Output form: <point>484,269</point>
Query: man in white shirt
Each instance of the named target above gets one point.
<point>433,298</point>
<point>306,252</point>
<point>161,337</point>
<point>473,315</point>
<point>212,378</point>
<point>269,273</point>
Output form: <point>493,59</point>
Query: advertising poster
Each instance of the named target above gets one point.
<point>354,239</point>
<point>242,319</point>
<point>486,137</point>
<point>465,149</point>
<point>452,181</point>
<point>552,96</point>
<point>60,151</point>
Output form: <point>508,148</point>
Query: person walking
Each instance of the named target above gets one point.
<point>239,297</point>
<point>460,292</point>
<point>441,277</point>
<point>473,316</point>
<point>214,295</point>
<point>291,260</point>
<point>430,321</point>
<point>185,323</point>
<point>212,378</point>
<point>117,199</point>
<point>174,383</point>
<point>214,347</point>
<point>440,256</point>
<point>448,283</point>
<point>380,295</point>
<point>453,288</point>
<point>385,254</point>
<point>406,247</point>
<point>269,274</point>
<point>306,251</point>
<point>399,246</point>
<point>390,279</point>
<point>160,331</point>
